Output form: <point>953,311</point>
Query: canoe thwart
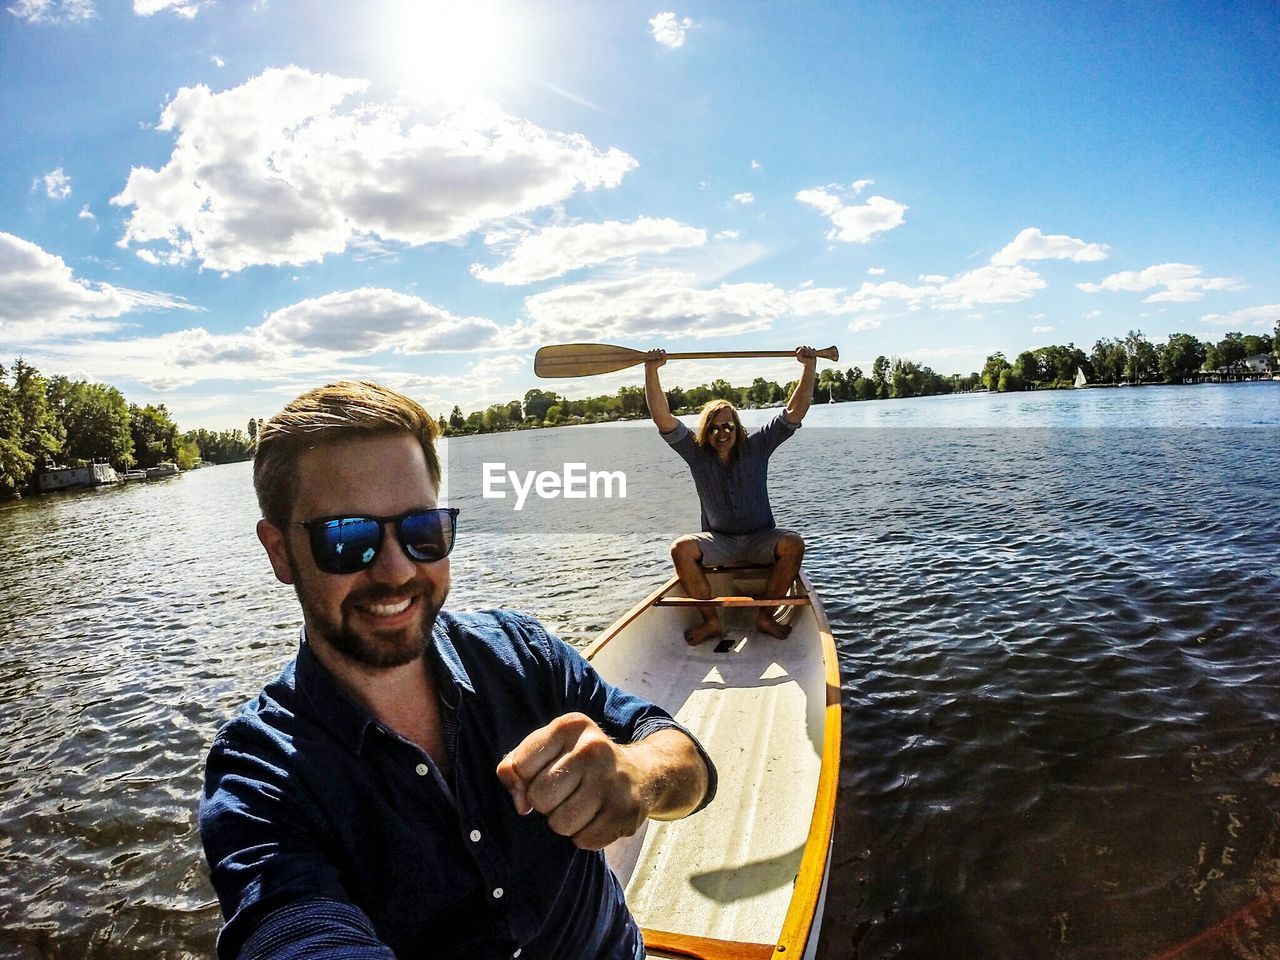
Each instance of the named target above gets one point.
<point>731,602</point>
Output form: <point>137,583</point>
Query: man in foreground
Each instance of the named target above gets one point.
<point>419,784</point>
<point>730,471</point>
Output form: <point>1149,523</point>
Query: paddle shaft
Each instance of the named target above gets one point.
<point>830,353</point>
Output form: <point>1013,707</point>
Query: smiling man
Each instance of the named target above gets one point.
<point>730,472</point>
<point>415,783</point>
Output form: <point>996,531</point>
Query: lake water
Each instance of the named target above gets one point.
<point>1058,617</point>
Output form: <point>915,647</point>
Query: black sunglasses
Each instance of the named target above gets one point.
<point>728,427</point>
<point>349,544</point>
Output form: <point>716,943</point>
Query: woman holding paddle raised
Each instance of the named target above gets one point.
<point>730,472</point>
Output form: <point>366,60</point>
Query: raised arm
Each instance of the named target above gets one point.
<point>654,395</point>
<point>802,395</point>
<point>593,790</point>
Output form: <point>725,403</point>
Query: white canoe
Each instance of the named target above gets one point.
<point>745,878</point>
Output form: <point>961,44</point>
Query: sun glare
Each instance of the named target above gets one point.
<point>452,48</point>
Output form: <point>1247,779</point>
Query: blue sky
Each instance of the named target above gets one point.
<point>217,205</point>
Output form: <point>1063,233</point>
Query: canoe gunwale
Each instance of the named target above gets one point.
<point>797,925</point>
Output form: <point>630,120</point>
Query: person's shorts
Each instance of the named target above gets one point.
<point>719,549</point>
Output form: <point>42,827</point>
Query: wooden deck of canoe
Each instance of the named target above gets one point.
<point>744,878</point>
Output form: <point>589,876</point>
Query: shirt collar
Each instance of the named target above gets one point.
<point>349,721</point>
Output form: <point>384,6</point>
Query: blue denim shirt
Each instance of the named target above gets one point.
<point>734,499</point>
<point>328,834</point>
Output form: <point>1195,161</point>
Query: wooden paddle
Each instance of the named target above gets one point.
<point>589,359</point>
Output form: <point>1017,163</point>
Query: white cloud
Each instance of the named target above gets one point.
<point>183,8</point>
<point>334,335</point>
<point>555,251</point>
<point>1043,328</point>
<point>275,172</point>
<point>1264,316</point>
<point>744,198</point>
<point>40,298</point>
<point>659,302</point>
<point>755,165</point>
<point>1031,244</point>
<point>990,284</point>
<point>54,11</point>
<point>854,222</point>
<point>217,61</point>
<point>1182,283</point>
<point>875,271</point>
<point>371,320</point>
<point>57,185</point>
<point>728,235</point>
<point>85,213</point>
<point>668,30</point>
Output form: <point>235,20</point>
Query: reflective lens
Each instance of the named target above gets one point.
<point>349,544</point>
<point>722,427</point>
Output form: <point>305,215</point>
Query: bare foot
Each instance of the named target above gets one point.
<point>697,635</point>
<point>766,624</point>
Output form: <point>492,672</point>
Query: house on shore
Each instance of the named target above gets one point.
<point>62,478</point>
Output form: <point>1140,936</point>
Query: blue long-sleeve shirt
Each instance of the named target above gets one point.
<point>329,835</point>
<point>734,498</point>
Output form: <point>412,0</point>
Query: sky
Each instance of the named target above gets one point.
<point>218,204</point>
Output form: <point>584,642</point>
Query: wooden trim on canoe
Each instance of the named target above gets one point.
<point>629,617</point>
<point>705,948</point>
<point>796,928</point>
<point>730,602</point>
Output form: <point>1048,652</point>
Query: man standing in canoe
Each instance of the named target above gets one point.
<point>416,783</point>
<point>730,471</point>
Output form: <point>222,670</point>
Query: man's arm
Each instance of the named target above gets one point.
<point>654,395</point>
<point>594,790</point>
<point>802,395</point>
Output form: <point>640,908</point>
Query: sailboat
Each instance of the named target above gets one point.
<point>1080,378</point>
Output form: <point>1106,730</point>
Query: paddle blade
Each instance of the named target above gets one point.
<point>583,359</point>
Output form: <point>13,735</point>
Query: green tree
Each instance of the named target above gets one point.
<point>155,435</point>
<point>1182,356</point>
<point>991,370</point>
<point>1232,351</point>
<point>253,429</point>
<point>16,465</point>
<point>1027,366</point>
<point>41,434</point>
<point>880,375</point>
<point>456,420</point>
<point>96,420</point>
<point>536,404</point>
<point>1255,344</point>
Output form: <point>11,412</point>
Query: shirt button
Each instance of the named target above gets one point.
<point>516,955</point>
<point>475,836</point>
<point>497,893</point>
<point>422,769</point>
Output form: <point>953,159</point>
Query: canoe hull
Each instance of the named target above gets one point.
<point>745,877</point>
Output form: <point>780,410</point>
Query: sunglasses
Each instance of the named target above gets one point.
<point>350,544</point>
<point>728,427</point>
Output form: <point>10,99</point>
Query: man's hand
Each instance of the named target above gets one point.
<point>808,356</point>
<point>593,790</point>
<point>655,358</point>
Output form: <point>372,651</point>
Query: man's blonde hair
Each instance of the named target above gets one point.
<point>332,414</point>
<point>709,410</point>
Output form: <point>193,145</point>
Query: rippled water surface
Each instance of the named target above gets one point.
<point>1058,617</point>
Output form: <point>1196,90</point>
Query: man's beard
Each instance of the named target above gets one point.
<point>379,653</point>
<point>395,650</point>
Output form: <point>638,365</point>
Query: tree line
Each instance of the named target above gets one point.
<point>47,421</point>
<point>1133,359</point>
